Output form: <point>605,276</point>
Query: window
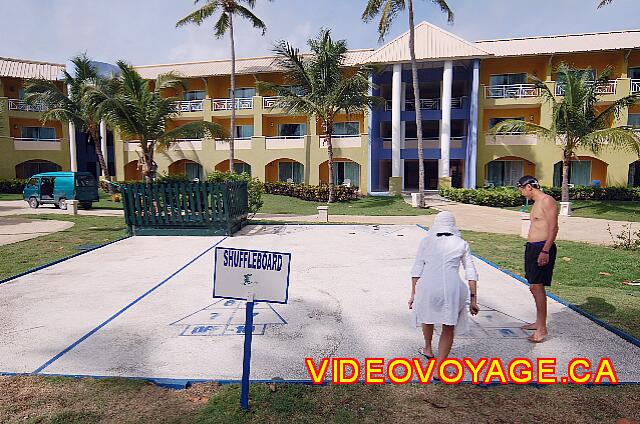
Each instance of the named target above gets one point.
<point>634,174</point>
<point>494,121</point>
<point>194,95</point>
<point>346,171</point>
<point>243,132</point>
<point>33,182</point>
<point>192,170</point>
<point>504,172</point>
<point>240,168</point>
<point>292,130</point>
<point>579,173</point>
<point>346,128</point>
<point>27,169</point>
<point>290,171</point>
<point>38,133</point>
<point>508,79</point>
<point>634,73</point>
<point>579,73</point>
<point>85,181</point>
<point>243,93</point>
<point>634,120</point>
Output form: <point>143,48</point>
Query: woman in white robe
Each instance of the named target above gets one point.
<point>438,294</point>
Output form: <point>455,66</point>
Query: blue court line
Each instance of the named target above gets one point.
<point>628,337</point>
<point>38,268</point>
<point>121,311</point>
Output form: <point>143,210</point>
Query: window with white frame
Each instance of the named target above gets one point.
<point>38,133</point>
<point>346,172</point>
<point>346,128</point>
<point>508,79</point>
<point>291,172</point>
<point>194,95</point>
<point>244,92</point>
<point>243,132</point>
<point>579,173</point>
<point>241,167</point>
<point>634,73</point>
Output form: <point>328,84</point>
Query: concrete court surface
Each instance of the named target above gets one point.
<point>142,307</point>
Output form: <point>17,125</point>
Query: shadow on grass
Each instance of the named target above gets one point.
<point>597,306</point>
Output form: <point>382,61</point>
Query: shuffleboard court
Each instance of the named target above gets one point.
<point>143,307</point>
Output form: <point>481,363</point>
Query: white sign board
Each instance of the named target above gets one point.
<point>239,272</point>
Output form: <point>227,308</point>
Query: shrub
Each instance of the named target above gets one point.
<point>254,185</point>
<point>173,178</point>
<point>319,193</point>
<point>12,186</point>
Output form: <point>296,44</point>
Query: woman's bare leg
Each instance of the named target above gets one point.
<point>427,332</point>
<point>445,343</point>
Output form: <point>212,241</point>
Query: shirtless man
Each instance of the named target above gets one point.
<point>540,253</point>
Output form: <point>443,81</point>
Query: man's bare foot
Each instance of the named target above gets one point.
<point>532,326</point>
<point>539,336</point>
<point>428,353</point>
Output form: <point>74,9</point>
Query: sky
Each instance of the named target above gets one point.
<point>143,32</point>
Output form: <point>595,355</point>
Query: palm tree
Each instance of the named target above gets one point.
<point>228,9</point>
<point>72,105</point>
<point>131,105</point>
<point>388,10</point>
<point>604,3</point>
<point>577,122</point>
<point>319,85</point>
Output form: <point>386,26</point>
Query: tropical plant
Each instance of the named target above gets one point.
<point>140,112</point>
<point>604,3</point>
<point>320,85</point>
<point>71,105</point>
<point>577,121</point>
<point>228,9</point>
<point>388,10</point>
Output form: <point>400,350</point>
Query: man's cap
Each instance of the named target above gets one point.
<point>528,179</point>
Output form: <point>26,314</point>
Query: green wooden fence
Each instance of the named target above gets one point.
<point>185,208</point>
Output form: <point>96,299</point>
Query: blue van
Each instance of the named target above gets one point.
<point>57,187</point>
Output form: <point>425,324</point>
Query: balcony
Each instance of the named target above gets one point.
<point>342,141</point>
<point>285,142</point>
<point>428,104</point>
<point>269,102</point>
<point>511,91</point>
<point>427,143</point>
<point>52,144</point>
<point>242,103</point>
<point>21,105</point>
<point>189,106</point>
<point>608,88</point>
<point>181,144</point>
<point>635,86</point>
<point>238,144</point>
<point>511,139</point>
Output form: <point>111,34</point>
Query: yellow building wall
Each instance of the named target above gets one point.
<point>270,123</point>
<point>529,114</point>
<point>598,61</point>
<point>536,66</point>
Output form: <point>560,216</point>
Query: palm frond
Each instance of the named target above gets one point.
<point>247,14</point>
<point>518,126</point>
<point>444,7</point>
<point>622,138</point>
<point>200,15</point>
<point>192,130</point>
<point>604,3</point>
<point>222,25</point>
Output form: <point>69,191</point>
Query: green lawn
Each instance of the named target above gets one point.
<point>57,400</point>
<point>105,202</point>
<point>613,210</point>
<point>87,230</point>
<point>6,196</point>
<point>577,278</point>
<point>369,205</point>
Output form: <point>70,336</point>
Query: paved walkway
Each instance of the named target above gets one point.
<point>483,219</point>
<point>17,229</point>
<point>147,311</point>
<point>20,207</point>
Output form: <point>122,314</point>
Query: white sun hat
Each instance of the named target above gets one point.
<point>445,222</point>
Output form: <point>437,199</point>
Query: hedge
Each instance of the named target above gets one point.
<point>12,186</point>
<point>255,186</point>
<point>316,193</point>
<point>510,196</point>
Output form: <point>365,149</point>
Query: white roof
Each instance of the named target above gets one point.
<point>432,43</point>
<point>20,68</point>
<point>570,43</point>
<point>253,65</point>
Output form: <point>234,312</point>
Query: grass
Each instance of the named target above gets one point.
<point>612,210</point>
<point>577,277</point>
<point>369,205</point>
<point>7,196</point>
<point>105,202</point>
<point>87,230</point>
<point>34,400</point>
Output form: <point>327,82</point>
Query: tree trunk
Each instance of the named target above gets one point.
<point>327,134</point>
<point>149,166</point>
<point>416,95</point>
<point>95,136</point>
<point>565,175</point>
<point>233,96</point>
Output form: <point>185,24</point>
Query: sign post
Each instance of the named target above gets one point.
<point>254,276</point>
<point>246,358</point>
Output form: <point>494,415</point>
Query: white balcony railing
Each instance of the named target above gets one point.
<point>428,104</point>
<point>635,86</point>
<point>242,103</point>
<point>608,88</point>
<point>285,142</point>
<point>43,140</point>
<point>269,102</point>
<point>511,91</point>
<point>342,141</point>
<point>21,105</point>
<point>189,106</point>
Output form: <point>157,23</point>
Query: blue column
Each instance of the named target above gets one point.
<point>471,156</point>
